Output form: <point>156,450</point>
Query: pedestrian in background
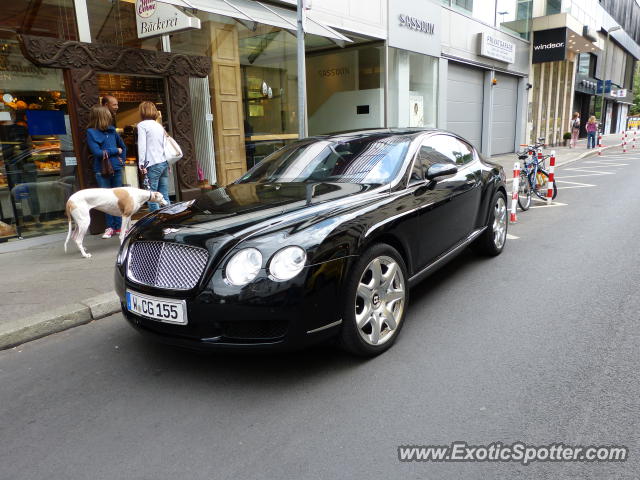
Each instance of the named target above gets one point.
<point>151,151</point>
<point>592,128</point>
<point>111,103</point>
<point>575,129</point>
<point>105,143</point>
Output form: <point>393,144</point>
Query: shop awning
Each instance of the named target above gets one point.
<point>251,11</point>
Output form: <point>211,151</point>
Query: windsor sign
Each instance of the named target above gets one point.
<point>549,45</point>
<point>156,18</point>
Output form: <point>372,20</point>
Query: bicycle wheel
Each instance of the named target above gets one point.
<point>542,185</point>
<point>524,192</point>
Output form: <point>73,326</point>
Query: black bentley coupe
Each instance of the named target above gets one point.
<point>322,239</point>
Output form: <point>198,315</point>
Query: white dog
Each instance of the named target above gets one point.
<point>120,202</point>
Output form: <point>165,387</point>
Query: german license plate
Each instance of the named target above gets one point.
<point>161,309</point>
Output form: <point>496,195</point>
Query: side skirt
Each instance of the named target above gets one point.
<point>445,257</point>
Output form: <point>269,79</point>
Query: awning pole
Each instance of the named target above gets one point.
<point>302,74</point>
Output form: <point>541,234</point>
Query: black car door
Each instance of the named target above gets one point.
<point>452,207</point>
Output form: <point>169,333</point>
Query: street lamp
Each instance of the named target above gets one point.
<point>603,113</point>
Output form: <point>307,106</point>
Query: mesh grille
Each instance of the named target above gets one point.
<point>166,265</point>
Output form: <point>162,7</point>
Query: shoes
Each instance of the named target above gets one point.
<point>108,233</point>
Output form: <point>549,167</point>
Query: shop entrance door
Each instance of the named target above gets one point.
<point>130,91</point>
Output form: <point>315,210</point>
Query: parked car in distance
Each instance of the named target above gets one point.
<point>322,239</point>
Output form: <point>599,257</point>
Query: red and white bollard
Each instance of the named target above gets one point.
<point>515,188</point>
<point>633,146</point>
<point>552,177</point>
<point>624,141</point>
<point>599,143</point>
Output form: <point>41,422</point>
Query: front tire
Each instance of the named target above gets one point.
<point>376,297</point>
<point>493,239</point>
<point>524,192</point>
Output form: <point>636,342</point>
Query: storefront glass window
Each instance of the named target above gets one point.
<point>46,18</point>
<point>553,7</point>
<point>413,87</point>
<point>514,16</point>
<point>253,89</point>
<point>345,88</point>
<point>38,164</point>
<point>114,22</point>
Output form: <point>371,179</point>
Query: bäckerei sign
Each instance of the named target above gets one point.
<point>156,18</point>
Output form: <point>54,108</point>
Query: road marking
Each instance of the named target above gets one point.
<point>511,237</point>
<point>608,164</point>
<point>575,184</point>
<point>552,204</point>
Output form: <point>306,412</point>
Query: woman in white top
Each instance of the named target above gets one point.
<point>151,151</point>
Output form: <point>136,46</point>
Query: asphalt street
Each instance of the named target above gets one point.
<point>540,345</point>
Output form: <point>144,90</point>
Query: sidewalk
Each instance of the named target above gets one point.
<point>46,290</point>
<point>564,155</point>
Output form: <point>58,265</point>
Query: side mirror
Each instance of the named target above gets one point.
<point>440,170</point>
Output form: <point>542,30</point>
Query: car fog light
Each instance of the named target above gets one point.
<point>287,263</point>
<point>243,267</point>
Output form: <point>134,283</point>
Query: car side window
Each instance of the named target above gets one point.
<point>448,149</point>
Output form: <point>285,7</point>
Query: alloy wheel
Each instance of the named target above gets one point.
<point>499,222</point>
<point>380,300</point>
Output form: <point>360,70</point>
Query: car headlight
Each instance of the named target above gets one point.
<point>287,263</point>
<point>243,267</point>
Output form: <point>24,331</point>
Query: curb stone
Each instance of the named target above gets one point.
<point>40,325</point>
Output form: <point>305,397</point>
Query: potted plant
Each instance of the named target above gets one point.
<point>566,137</point>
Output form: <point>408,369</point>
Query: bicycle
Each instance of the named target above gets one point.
<point>537,178</point>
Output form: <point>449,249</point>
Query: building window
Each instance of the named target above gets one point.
<point>37,160</point>
<point>464,5</point>
<point>553,7</point>
<point>587,64</point>
<point>46,19</point>
<point>514,16</point>
<point>413,87</point>
<point>114,22</point>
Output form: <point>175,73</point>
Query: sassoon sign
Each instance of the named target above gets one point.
<point>549,45</point>
<point>415,26</point>
<point>157,18</point>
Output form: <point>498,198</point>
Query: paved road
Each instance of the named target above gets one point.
<point>476,362</point>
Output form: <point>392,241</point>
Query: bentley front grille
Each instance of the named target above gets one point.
<point>166,265</point>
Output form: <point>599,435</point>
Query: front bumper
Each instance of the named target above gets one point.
<point>264,315</point>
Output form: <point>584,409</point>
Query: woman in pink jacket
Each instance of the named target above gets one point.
<point>592,128</point>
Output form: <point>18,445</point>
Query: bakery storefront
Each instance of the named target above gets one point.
<point>222,73</point>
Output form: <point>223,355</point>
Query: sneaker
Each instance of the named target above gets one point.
<point>108,233</point>
<point>116,232</point>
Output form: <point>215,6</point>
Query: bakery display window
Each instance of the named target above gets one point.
<point>37,161</point>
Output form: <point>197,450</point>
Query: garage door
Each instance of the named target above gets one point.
<point>465,93</point>
<point>503,123</point>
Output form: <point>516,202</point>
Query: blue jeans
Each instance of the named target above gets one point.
<point>159,182</point>
<point>591,139</point>
<point>111,182</point>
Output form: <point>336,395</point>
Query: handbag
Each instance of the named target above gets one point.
<point>172,151</point>
<point>107,167</point>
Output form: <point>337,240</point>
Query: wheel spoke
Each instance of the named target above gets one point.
<point>393,296</point>
<point>374,336</point>
<point>389,318</point>
<point>389,276</point>
<point>376,273</point>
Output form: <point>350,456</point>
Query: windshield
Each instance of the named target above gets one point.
<point>370,160</point>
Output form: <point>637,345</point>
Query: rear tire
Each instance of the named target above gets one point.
<point>494,238</point>
<point>542,186</point>
<point>375,302</point>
